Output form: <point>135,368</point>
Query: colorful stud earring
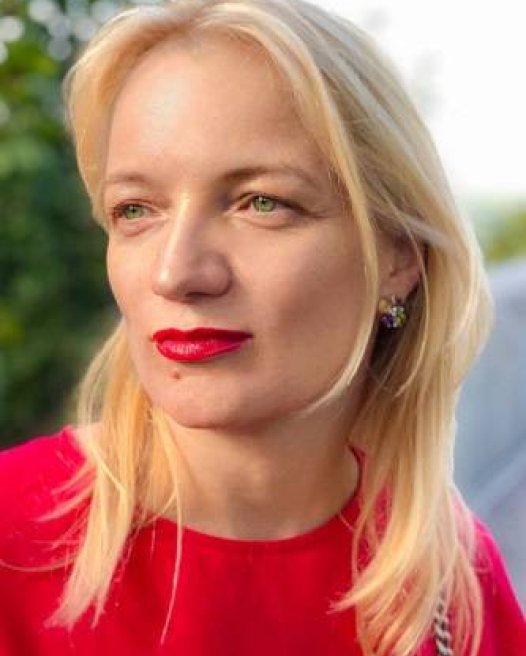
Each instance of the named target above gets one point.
<point>393,313</point>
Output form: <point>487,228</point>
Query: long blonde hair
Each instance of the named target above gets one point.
<point>380,152</point>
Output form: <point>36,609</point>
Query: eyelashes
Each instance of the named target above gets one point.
<point>254,206</point>
<point>264,204</point>
<point>128,211</point>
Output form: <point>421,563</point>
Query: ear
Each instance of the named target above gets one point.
<point>401,263</point>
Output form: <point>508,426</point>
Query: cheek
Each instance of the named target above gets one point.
<point>126,278</point>
<point>311,304</point>
<point>324,276</point>
<point>114,273</point>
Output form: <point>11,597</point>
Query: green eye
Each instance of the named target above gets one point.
<point>264,204</point>
<point>132,211</point>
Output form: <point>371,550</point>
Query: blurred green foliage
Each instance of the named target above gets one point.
<point>54,301</point>
<point>507,237</point>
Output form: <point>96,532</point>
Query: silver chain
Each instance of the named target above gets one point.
<point>441,630</point>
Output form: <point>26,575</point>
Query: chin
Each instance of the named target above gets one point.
<point>205,410</point>
<point>224,405</point>
<point>210,411</point>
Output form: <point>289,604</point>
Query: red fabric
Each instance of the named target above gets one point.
<point>235,598</point>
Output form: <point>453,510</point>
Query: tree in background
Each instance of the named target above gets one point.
<point>507,237</point>
<point>54,301</point>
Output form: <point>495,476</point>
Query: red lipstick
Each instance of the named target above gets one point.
<point>197,344</point>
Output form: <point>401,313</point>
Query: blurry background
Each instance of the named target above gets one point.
<point>463,62</point>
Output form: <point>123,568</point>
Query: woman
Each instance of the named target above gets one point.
<point>262,457</point>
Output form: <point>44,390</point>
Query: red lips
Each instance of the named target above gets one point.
<point>197,344</point>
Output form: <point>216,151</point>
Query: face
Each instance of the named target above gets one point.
<point>222,215</point>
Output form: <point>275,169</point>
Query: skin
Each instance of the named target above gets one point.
<point>189,247</point>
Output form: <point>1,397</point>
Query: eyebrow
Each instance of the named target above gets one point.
<point>233,176</point>
<point>245,173</point>
<point>127,177</point>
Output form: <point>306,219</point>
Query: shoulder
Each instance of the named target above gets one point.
<point>32,475</point>
<point>37,463</point>
<point>504,623</point>
<point>489,563</point>
<point>22,456</point>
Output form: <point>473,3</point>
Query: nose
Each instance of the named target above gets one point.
<point>190,264</point>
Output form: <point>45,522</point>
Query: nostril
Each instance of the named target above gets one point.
<point>196,296</point>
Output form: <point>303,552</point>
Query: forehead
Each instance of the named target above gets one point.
<point>218,95</point>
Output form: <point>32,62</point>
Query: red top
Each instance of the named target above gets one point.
<point>235,597</point>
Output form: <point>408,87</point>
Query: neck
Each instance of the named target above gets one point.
<point>270,482</point>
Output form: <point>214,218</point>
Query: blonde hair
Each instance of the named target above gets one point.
<point>381,154</point>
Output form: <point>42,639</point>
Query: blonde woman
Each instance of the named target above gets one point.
<point>261,462</point>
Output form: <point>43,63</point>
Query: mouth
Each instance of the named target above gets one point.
<point>197,344</point>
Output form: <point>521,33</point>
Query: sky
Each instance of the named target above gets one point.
<point>465,64</point>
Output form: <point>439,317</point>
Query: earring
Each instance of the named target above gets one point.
<point>392,312</point>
